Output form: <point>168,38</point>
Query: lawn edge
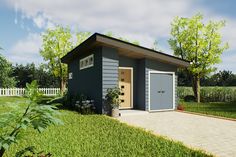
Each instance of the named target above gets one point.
<point>164,137</point>
<point>207,115</point>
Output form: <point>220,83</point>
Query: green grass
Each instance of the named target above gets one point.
<point>222,109</point>
<point>97,135</point>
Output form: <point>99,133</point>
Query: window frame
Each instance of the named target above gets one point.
<point>86,62</point>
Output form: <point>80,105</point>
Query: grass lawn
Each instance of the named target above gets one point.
<point>97,135</point>
<point>221,109</point>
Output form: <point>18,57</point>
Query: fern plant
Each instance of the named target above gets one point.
<point>35,115</point>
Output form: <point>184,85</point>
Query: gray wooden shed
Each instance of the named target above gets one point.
<point>147,78</point>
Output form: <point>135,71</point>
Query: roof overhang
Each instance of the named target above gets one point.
<point>124,49</point>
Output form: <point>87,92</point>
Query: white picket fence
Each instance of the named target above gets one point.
<point>21,91</point>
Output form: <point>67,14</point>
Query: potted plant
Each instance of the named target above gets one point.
<point>112,98</point>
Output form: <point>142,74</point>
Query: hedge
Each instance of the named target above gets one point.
<point>210,94</point>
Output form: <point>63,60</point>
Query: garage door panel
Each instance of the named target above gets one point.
<point>161,91</point>
<point>155,88</point>
<point>167,91</point>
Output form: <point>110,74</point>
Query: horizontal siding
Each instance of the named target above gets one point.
<point>110,64</point>
<point>110,71</point>
<point>109,67</point>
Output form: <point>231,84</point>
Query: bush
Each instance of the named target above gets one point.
<point>85,106</point>
<point>210,94</point>
<point>79,103</point>
<point>189,98</point>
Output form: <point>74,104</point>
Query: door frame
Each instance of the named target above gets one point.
<point>161,72</point>
<point>131,105</point>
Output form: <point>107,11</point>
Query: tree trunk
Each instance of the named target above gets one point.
<point>2,151</point>
<point>196,87</point>
<point>62,86</point>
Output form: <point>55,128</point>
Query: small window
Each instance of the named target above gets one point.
<point>122,80</point>
<point>122,100</point>
<point>86,62</point>
<point>122,94</point>
<point>122,86</point>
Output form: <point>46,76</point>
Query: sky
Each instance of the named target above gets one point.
<point>24,21</point>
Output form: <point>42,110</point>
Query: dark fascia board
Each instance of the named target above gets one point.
<point>103,39</point>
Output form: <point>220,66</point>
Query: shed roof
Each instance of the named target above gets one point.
<point>125,49</point>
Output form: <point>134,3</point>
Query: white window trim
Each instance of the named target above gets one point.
<point>84,59</point>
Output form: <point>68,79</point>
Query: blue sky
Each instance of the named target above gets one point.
<point>23,22</point>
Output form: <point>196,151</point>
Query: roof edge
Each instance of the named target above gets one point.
<point>95,38</point>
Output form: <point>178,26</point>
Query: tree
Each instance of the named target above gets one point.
<point>184,78</point>
<point>155,46</point>
<point>56,44</point>
<point>111,34</point>
<point>6,80</point>
<point>223,78</point>
<point>199,43</point>
<point>82,36</point>
<point>29,72</point>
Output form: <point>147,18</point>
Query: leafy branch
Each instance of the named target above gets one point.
<point>36,115</point>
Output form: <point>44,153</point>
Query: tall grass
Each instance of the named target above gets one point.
<point>211,94</point>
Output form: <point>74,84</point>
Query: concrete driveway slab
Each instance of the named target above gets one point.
<point>216,136</point>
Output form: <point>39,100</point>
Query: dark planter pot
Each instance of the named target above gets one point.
<point>115,112</point>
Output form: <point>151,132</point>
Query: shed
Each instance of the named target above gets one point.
<point>147,78</point>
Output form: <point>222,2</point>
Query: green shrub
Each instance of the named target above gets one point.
<point>189,98</point>
<point>210,94</point>
<point>84,106</point>
<point>35,115</point>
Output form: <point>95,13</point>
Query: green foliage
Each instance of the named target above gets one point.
<point>184,77</point>
<point>211,94</point>
<point>29,72</point>
<point>110,34</point>
<point>39,117</point>
<point>112,97</point>
<point>95,135</point>
<point>189,98</point>
<point>6,80</point>
<point>222,109</point>
<point>197,42</point>
<point>84,106</point>
<point>82,36</point>
<point>221,78</point>
<point>156,47</point>
<point>31,152</point>
<point>56,44</point>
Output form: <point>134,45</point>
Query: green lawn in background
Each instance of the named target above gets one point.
<point>222,109</point>
<point>97,135</point>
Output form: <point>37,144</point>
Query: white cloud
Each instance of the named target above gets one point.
<point>142,20</point>
<point>39,20</point>
<point>26,50</point>
<point>136,17</point>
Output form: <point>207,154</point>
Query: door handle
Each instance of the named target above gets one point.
<point>163,91</point>
<point>159,91</point>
